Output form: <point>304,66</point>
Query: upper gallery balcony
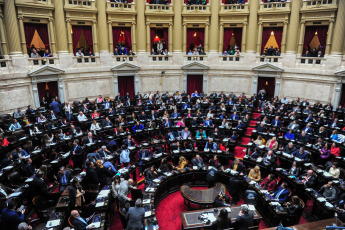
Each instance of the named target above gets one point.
<point>121,8</point>
<point>36,3</point>
<point>159,9</point>
<point>274,7</point>
<point>319,5</point>
<point>194,10</point>
<point>80,5</point>
<point>233,9</point>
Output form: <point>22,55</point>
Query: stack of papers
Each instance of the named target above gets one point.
<point>103,193</point>
<point>251,207</point>
<point>156,180</point>
<point>146,201</point>
<point>100,204</point>
<point>148,213</point>
<point>329,205</point>
<point>321,199</point>
<point>150,190</point>
<point>53,223</point>
<point>15,194</point>
<point>96,225</point>
<point>275,203</point>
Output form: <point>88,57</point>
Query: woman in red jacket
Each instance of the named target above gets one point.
<point>269,183</point>
<point>335,150</point>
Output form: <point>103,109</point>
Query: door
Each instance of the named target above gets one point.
<point>267,83</point>
<point>126,85</point>
<point>49,90</point>
<point>342,98</point>
<point>194,82</point>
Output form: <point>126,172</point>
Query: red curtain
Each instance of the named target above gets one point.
<point>88,36</point>
<point>77,30</point>
<point>153,35</point>
<point>42,30</point>
<point>166,37</point>
<point>227,37</point>
<point>266,34</point>
<point>149,1</point>
<point>126,84</point>
<point>185,1</point>
<point>267,83</point>
<point>310,33</point>
<point>53,88</point>
<point>194,82</point>
<point>342,99</point>
<point>196,40</point>
<point>41,88</point>
<point>238,37</point>
<point>123,34</point>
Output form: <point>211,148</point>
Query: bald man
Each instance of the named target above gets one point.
<point>124,190</point>
<point>309,180</point>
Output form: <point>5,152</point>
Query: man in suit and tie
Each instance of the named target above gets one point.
<point>78,222</point>
<point>335,123</point>
<point>282,193</point>
<point>64,178</point>
<point>55,106</point>
<point>167,123</point>
<point>261,128</point>
<point>10,217</point>
<point>293,126</point>
<point>91,176</point>
<point>107,123</point>
<point>89,139</point>
<point>129,142</point>
<point>276,122</point>
<point>38,186</point>
<point>77,154</point>
<point>303,138</point>
<point>153,115</point>
<point>28,168</point>
<point>184,134</point>
<point>104,152</point>
<point>118,97</point>
<point>198,161</point>
<point>52,116</point>
<point>244,220</point>
<point>301,154</point>
<point>128,102</point>
<point>309,180</point>
<point>135,216</point>
<point>308,129</point>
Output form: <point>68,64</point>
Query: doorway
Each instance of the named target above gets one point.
<point>194,82</point>
<point>126,85</point>
<point>267,83</point>
<point>49,90</point>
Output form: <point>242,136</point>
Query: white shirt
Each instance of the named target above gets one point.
<point>82,118</point>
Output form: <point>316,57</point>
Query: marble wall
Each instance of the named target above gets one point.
<point>13,97</point>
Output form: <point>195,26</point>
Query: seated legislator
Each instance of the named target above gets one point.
<point>198,161</point>
<point>10,217</point>
<point>290,148</point>
<point>328,191</point>
<point>78,222</point>
<point>221,200</point>
<point>301,154</point>
<point>269,183</point>
<point>309,180</point>
<point>181,164</point>
<point>237,166</point>
<point>255,174</point>
<point>282,193</point>
<point>335,150</point>
<point>295,169</point>
<point>244,220</point>
<point>334,170</point>
<point>64,178</point>
<point>272,143</point>
<point>223,221</point>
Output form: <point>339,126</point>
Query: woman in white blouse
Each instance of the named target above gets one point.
<point>94,126</point>
<point>210,114</point>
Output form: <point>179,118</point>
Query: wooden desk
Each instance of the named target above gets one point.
<point>190,219</point>
<point>317,225</point>
<point>201,197</point>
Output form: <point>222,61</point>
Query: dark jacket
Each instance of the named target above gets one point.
<point>11,219</point>
<point>68,177</point>
<point>91,176</point>
<point>244,222</point>
<point>79,225</point>
<point>135,217</point>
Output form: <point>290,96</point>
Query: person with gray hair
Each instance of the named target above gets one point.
<point>244,220</point>
<point>64,178</point>
<point>24,226</point>
<point>124,190</point>
<point>135,216</point>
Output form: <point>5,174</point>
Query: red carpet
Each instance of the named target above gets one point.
<point>239,153</point>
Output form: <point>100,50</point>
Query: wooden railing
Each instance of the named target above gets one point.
<point>231,58</point>
<point>307,4</point>
<point>191,58</point>
<point>126,7</point>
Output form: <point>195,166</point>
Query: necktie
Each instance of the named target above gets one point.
<point>82,220</point>
<point>278,195</point>
<point>64,180</point>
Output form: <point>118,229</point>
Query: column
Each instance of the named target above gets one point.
<point>221,37</point>
<point>258,45</point>
<point>206,37</point>
<point>36,96</point>
<point>339,30</point>
<point>52,36</point>
<point>184,47</point>
<point>94,37</point>
<point>148,37</point>
<point>214,26</point>
<point>60,26</point>
<point>337,95</point>
<point>253,25</point>
<point>204,78</point>
<point>3,38</point>
<point>277,86</point>
<point>170,36</point>
<point>12,28</point>
<point>292,32</point>
<point>244,37</point>
<point>22,34</point>
<point>141,26</point>
<point>134,37</point>
<point>283,48</point>
<point>329,36</point>
<point>69,36</point>
<point>178,41</point>
<point>185,80</point>
<point>61,91</point>
<point>102,26</point>
<point>301,38</point>
<point>110,36</point>
<point>255,83</point>
<point>136,83</point>
<point>116,86</point>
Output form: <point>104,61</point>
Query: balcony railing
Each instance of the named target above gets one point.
<point>191,58</point>
<point>43,61</point>
<point>274,6</point>
<point>273,59</point>
<point>81,3</point>
<point>121,7</point>
<point>310,61</point>
<point>316,4</point>
<point>234,8</point>
<point>87,60</point>
<point>161,58</point>
<point>231,58</point>
<point>6,66</point>
<point>159,9</point>
<point>121,58</point>
<point>197,9</point>
<point>38,2</point>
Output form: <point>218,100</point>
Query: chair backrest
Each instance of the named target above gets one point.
<point>15,178</point>
<point>69,222</point>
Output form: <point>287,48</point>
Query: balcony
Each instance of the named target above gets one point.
<point>193,58</point>
<point>310,61</point>
<point>274,7</point>
<point>119,59</point>
<point>6,66</point>
<point>86,61</point>
<point>230,58</point>
<point>324,5</point>
<point>35,2</point>
<point>38,62</point>
<point>158,9</point>
<point>271,59</point>
<point>121,8</point>
<point>160,59</point>
<point>80,5</point>
<point>234,9</point>
<point>196,10</point>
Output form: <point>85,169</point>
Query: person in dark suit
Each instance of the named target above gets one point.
<point>77,155</point>
<point>55,106</point>
<point>236,165</point>
<point>64,178</point>
<point>309,180</point>
<point>244,220</point>
<point>10,217</point>
<point>38,186</point>
<point>4,192</point>
<point>135,216</point>
<point>28,168</point>
<point>103,173</point>
<point>8,160</point>
<point>78,222</point>
<point>282,193</point>
<point>223,221</point>
<point>89,139</point>
<point>129,142</point>
<point>221,200</point>
<point>91,175</point>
